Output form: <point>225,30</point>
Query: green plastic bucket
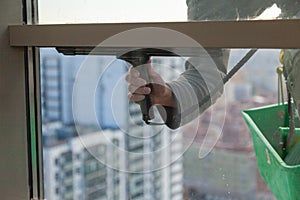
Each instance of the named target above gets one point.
<point>264,124</point>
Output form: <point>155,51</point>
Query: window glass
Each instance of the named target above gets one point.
<point>110,153</point>
<point>100,11</point>
<point>241,10</point>
<point>96,145</point>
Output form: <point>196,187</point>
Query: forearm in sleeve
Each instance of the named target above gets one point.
<point>203,78</point>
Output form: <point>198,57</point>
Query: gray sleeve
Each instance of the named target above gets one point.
<point>198,87</point>
<point>291,63</point>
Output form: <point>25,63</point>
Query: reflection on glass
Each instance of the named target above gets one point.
<point>241,10</point>
<point>111,157</point>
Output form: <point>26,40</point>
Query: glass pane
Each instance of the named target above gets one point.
<point>96,145</point>
<point>99,11</point>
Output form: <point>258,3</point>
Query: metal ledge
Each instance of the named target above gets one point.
<point>210,34</point>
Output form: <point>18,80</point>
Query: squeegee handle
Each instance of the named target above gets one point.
<point>139,61</point>
<point>146,103</point>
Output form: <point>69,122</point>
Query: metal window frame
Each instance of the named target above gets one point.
<point>210,34</point>
<point>34,125</point>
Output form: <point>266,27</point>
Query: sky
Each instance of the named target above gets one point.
<point>98,11</point>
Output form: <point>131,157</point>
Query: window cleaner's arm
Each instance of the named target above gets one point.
<point>174,114</point>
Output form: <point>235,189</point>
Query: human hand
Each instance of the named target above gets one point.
<point>137,87</point>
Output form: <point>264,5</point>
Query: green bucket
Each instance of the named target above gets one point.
<point>265,124</point>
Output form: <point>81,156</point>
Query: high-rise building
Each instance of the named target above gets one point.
<point>57,79</point>
<point>157,172</point>
<point>86,167</point>
<point>59,76</point>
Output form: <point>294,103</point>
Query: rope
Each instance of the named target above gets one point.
<point>239,65</point>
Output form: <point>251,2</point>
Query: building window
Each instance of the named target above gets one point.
<point>59,76</point>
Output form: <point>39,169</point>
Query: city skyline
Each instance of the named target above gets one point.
<point>155,152</point>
